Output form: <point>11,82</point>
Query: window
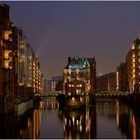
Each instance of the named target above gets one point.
<point>73,74</point>
<point>81,74</point>
<point>133,47</point>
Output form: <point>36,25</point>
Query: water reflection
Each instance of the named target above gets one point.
<point>51,104</point>
<point>105,119</point>
<point>7,125</point>
<point>29,124</point>
<point>52,123</point>
<point>116,120</point>
<point>35,120</point>
<point>79,124</point>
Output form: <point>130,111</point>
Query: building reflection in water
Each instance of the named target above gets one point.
<point>75,124</point>
<point>52,104</point>
<point>7,126</point>
<point>30,124</point>
<point>79,124</point>
<point>127,121</point>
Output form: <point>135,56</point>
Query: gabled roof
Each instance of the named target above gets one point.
<point>78,63</point>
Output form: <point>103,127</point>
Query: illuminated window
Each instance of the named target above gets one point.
<point>139,53</point>
<point>133,55</point>
<point>133,60</point>
<point>133,47</point>
<point>139,60</point>
<point>6,64</point>
<point>6,35</point>
<point>6,54</point>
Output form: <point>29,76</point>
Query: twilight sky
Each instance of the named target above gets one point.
<point>58,29</point>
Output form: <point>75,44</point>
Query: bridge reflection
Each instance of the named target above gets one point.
<point>105,119</point>
<point>49,103</point>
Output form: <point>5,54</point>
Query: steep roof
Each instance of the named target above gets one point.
<point>78,63</point>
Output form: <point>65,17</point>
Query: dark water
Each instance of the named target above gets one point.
<point>106,119</point>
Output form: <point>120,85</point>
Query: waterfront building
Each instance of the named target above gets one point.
<point>42,84</point>
<point>16,60</point>
<point>121,78</point>
<point>39,79</point>
<point>5,50</point>
<point>58,82</point>
<point>21,61</point>
<point>52,85</point>
<point>36,77</point>
<point>29,77</point>
<point>21,42</point>
<point>27,66</point>
<point>106,82</point>
<point>6,57</point>
<point>79,75</point>
<point>133,66</point>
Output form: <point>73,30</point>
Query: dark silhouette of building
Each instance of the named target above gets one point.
<point>6,60</point>
<point>106,82</point>
<point>122,78</point>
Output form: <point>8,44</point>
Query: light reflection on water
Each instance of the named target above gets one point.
<point>105,119</point>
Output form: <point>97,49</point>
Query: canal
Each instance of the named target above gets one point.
<point>105,119</point>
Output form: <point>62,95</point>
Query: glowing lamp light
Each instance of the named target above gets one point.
<point>80,85</point>
<point>133,47</point>
<point>73,119</point>
<point>6,64</point>
<point>6,54</point>
<point>73,98</point>
<point>6,35</point>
